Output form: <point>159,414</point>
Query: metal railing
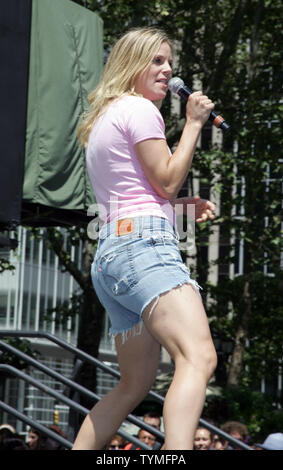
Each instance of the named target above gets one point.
<point>60,397</point>
<point>42,429</point>
<point>73,385</point>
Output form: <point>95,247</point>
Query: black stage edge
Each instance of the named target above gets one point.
<point>38,215</point>
<point>15,24</point>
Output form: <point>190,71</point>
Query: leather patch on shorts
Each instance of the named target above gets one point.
<point>124,227</point>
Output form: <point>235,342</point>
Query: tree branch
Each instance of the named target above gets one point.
<point>230,41</point>
<point>56,240</point>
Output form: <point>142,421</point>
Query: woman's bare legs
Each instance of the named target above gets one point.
<point>138,359</point>
<point>180,324</point>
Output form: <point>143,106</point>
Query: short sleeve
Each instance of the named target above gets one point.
<point>144,121</point>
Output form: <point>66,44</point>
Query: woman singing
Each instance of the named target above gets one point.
<point>138,272</point>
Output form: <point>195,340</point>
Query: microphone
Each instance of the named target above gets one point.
<point>176,85</point>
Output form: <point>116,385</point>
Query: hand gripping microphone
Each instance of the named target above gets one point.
<point>176,85</point>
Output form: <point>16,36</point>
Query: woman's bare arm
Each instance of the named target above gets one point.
<point>167,173</point>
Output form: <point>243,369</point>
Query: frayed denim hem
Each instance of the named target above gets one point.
<point>136,330</point>
<point>126,334</point>
<point>191,282</point>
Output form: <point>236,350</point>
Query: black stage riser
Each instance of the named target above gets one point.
<point>15,24</point>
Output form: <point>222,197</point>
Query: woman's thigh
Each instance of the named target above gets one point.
<point>179,322</point>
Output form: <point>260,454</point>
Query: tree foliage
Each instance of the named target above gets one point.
<point>24,346</point>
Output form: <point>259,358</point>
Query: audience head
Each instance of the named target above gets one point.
<point>203,439</point>
<point>116,443</point>
<point>153,419</point>
<point>146,437</point>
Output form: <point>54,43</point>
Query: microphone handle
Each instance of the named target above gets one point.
<point>217,120</point>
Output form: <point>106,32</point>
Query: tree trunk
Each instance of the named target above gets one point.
<point>90,330</point>
<point>89,335</point>
<point>236,366</point>
<point>90,325</point>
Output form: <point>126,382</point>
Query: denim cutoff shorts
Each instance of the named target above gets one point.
<point>134,266</point>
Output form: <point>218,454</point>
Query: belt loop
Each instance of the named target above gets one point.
<point>140,226</point>
<point>163,229</point>
<point>102,233</point>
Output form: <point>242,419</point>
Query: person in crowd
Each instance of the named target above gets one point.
<point>203,439</point>
<point>10,440</point>
<point>236,430</point>
<point>153,419</point>
<point>144,436</point>
<point>9,427</point>
<point>33,439</point>
<point>138,272</point>
<point>218,442</point>
<point>52,443</point>
<point>273,441</point>
<point>40,441</point>
<point>116,443</point>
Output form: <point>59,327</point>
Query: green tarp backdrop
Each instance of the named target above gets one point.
<point>66,60</point>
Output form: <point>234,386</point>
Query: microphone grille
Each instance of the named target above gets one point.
<point>175,84</point>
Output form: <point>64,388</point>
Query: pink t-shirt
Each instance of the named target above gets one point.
<point>118,180</point>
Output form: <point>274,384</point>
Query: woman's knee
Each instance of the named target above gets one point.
<point>203,359</point>
<point>210,361</point>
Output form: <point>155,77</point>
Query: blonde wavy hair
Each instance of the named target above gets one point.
<point>130,56</point>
